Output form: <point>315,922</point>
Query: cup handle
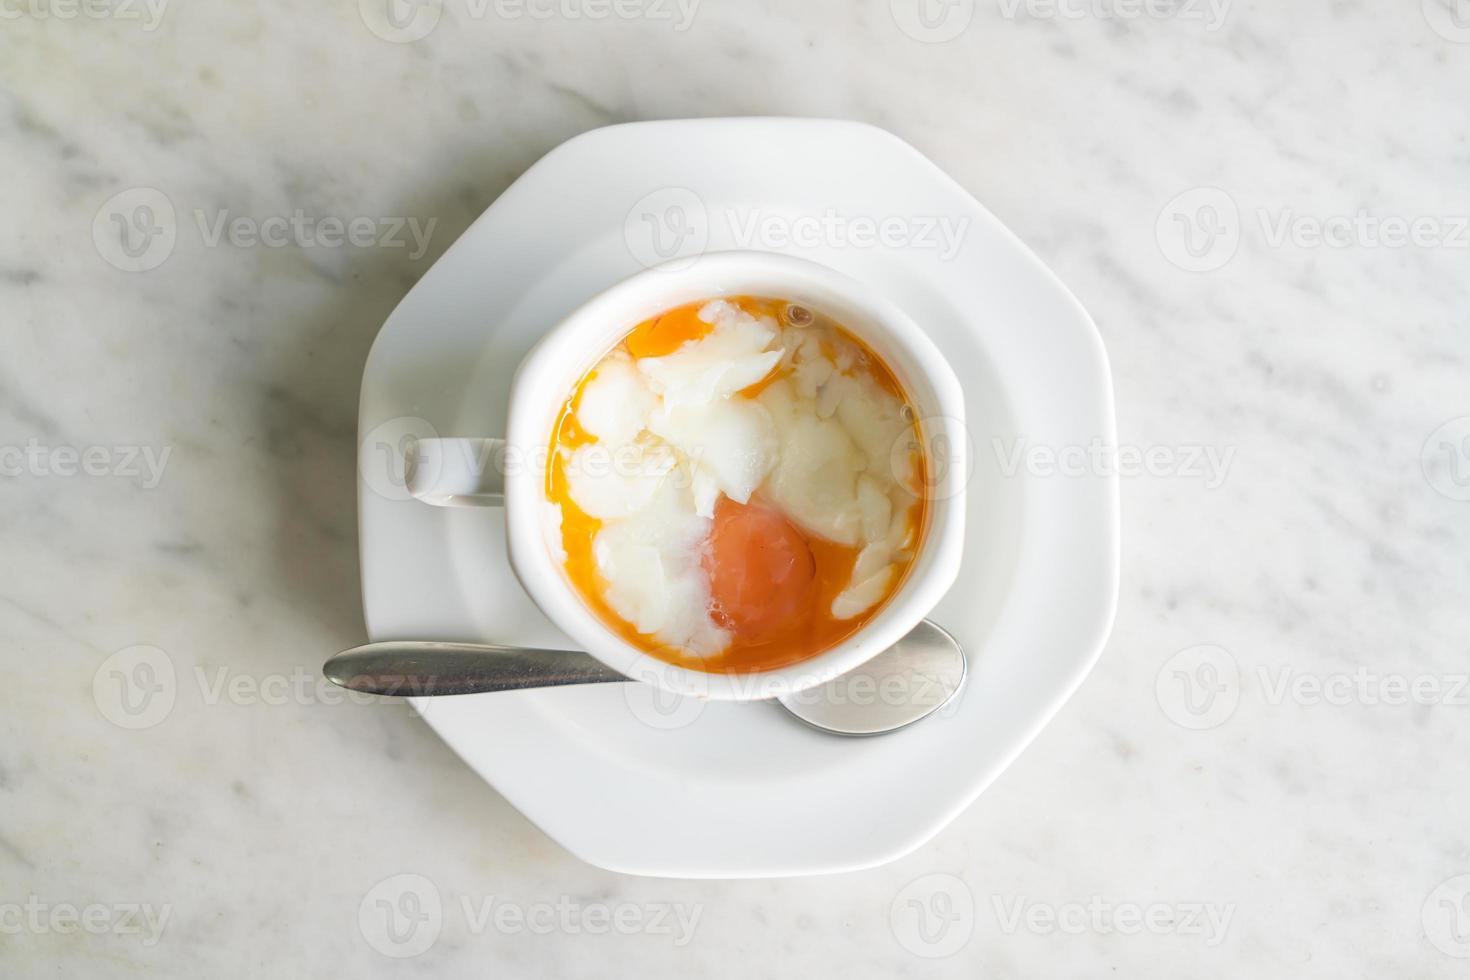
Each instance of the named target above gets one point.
<point>455,472</point>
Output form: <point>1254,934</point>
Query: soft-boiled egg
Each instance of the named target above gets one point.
<point>732,485</point>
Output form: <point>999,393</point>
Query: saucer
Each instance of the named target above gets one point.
<point>636,781</point>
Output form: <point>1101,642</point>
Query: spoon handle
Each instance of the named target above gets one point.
<point>416,668</point>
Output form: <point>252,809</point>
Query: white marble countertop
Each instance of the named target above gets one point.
<point>1259,779</point>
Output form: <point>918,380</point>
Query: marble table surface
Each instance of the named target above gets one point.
<point>1264,207</point>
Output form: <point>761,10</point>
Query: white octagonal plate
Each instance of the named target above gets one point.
<point>694,789</point>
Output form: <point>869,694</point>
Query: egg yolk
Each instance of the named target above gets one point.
<point>761,568</point>
<point>665,334</point>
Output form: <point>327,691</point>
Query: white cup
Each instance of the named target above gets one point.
<point>510,472</point>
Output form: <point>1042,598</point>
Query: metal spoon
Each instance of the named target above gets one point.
<point>910,680</point>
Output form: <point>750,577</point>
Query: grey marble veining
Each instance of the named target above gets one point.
<point>1238,772</point>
